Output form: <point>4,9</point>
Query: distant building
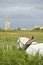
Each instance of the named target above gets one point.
<point>37,27</point>
<point>40,27</point>
<point>7,24</point>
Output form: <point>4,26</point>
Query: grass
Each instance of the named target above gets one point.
<point>9,54</point>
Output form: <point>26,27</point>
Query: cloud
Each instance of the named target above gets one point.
<point>16,10</point>
<point>29,1</point>
<point>20,6</point>
<point>20,2</point>
<point>27,7</point>
<point>21,12</point>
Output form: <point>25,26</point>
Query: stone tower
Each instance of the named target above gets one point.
<point>7,24</point>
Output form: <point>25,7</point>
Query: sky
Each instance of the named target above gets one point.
<point>24,14</point>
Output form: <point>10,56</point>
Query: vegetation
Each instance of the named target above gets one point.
<point>10,55</point>
<point>36,28</point>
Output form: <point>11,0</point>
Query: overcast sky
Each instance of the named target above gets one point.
<point>21,13</point>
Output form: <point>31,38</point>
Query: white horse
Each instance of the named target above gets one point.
<point>33,48</point>
<point>22,41</point>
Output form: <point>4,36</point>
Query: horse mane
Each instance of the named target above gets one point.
<point>28,43</point>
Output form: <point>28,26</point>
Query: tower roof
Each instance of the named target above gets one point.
<point>7,19</point>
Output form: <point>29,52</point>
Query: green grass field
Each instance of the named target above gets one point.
<point>9,54</point>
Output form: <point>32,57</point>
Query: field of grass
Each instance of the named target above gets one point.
<point>9,54</point>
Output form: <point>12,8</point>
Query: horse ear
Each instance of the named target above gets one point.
<point>32,37</point>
